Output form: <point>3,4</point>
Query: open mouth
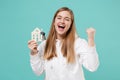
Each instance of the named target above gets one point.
<point>61,27</point>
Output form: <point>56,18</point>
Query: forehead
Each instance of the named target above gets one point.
<point>64,14</point>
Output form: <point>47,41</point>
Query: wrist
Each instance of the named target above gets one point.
<point>34,52</point>
<point>91,42</point>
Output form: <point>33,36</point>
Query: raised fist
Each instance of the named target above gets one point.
<point>90,33</point>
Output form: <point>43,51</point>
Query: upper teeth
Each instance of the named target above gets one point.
<point>61,25</point>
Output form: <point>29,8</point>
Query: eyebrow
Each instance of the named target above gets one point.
<point>61,16</point>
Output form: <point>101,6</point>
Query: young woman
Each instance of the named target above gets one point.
<point>62,55</point>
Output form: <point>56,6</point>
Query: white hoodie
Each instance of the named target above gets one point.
<point>58,69</point>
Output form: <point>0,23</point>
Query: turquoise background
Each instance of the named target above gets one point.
<point>19,17</point>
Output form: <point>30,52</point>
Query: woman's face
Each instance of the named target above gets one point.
<point>62,22</point>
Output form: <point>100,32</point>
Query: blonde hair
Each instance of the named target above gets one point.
<point>67,43</point>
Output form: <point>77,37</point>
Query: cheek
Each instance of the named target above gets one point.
<point>55,23</point>
<point>55,26</point>
<point>68,25</point>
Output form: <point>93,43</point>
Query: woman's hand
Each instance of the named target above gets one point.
<point>91,35</point>
<point>32,45</point>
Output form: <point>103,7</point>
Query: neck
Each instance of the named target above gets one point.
<point>61,37</point>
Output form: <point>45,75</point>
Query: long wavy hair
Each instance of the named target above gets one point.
<point>67,43</point>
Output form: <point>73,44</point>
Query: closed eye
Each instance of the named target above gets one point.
<point>58,18</point>
<point>67,19</point>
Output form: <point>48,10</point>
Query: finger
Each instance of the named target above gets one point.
<point>90,30</point>
<point>34,43</point>
<point>30,41</point>
<point>32,47</point>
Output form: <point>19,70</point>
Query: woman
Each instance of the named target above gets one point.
<point>62,55</point>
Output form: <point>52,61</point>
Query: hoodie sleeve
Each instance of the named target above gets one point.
<point>37,61</point>
<point>88,55</point>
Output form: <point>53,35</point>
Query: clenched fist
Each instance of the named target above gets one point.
<point>32,45</point>
<point>91,34</point>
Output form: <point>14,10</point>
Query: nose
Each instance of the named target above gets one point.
<point>62,20</point>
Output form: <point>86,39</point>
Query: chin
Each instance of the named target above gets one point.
<point>61,33</point>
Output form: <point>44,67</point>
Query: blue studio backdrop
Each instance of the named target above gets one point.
<point>18,18</point>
